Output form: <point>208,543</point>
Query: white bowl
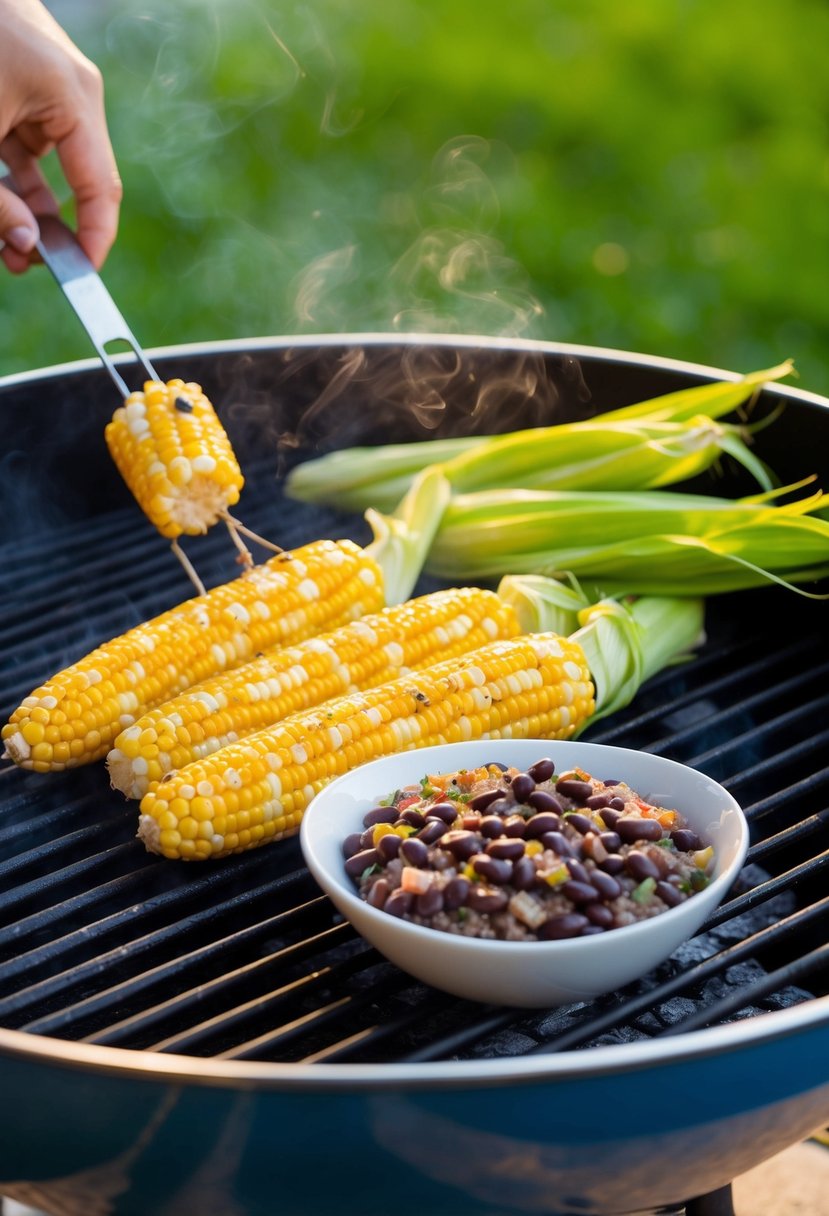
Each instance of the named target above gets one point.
<point>536,973</point>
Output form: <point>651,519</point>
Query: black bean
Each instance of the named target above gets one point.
<point>491,826</point>
<point>378,893</point>
<point>523,874</point>
<point>414,852</point>
<point>571,787</point>
<point>543,800</point>
<point>609,782</point>
<point>367,839</point>
<point>446,811</point>
<point>592,930</point>
<point>412,817</point>
<point>501,806</point>
<point>496,869</point>
<point>605,884</point>
<point>398,903</point>
<point>487,899</point>
<point>481,801</point>
<point>669,894</point>
<point>569,925</point>
<point>599,914</point>
<point>617,803</point>
<point>597,801</point>
<point>631,828</point>
<point>578,871</point>
<point>522,786</point>
<point>686,840</point>
<point>514,825</point>
<point>610,817</point>
<point>614,864</point>
<point>582,823</point>
<point>542,770</point>
<point>351,844</point>
<point>358,862</point>
<point>434,829</point>
<point>462,844</point>
<point>612,841</point>
<point>455,893</point>
<point>559,843</point>
<point>544,821</point>
<point>640,866</point>
<point>380,814</point>
<point>388,846</point>
<point>509,848</point>
<point>578,892</point>
<point>430,901</point>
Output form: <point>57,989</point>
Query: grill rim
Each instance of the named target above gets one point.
<point>382,338</point>
<point>446,1074</point>
<point>612,1060</point>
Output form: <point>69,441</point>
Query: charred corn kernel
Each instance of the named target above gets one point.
<point>363,654</point>
<point>703,857</point>
<point>537,686</point>
<point>286,599</point>
<point>381,830</point>
<point>175,456</point>
<point>533,848</point>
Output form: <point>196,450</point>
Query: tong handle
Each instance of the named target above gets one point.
<point>84,289</point>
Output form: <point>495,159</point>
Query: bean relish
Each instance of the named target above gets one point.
<point>524,855</point>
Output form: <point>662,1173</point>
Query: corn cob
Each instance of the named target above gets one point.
<point>255,791</point>
<point>74,718</point>
<point>173,453</point>
<point>360,655</point>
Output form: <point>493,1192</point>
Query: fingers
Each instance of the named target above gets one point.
<point>88,163</point>
<point>89,166</point>
<point>18,231</point>
<point>20,207</point>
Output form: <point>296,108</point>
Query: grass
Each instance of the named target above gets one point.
<point>646,176</point>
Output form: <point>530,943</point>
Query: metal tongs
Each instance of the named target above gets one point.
<point>84,289</point>
<point>97,312</point>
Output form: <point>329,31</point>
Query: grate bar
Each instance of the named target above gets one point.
<point>753,993</point>
<point>229,985</point>
<point>631,1007</point>
<point>265,1004</point>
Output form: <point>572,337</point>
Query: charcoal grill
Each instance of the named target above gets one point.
<point>212,1039</point>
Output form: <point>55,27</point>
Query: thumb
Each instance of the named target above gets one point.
<point>18,227</point>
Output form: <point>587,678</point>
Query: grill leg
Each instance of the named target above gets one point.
<point>715,1203</point>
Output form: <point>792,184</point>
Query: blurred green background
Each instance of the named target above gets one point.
<point>651,176</point>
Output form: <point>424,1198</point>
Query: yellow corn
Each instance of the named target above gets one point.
<point>255,791</point>
<point>74,718</point>
<point>360,655</point>
<point>173,453</point>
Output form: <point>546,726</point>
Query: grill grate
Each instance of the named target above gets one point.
<point>245,960</point>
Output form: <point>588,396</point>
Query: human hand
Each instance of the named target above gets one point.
<point>51,96</point>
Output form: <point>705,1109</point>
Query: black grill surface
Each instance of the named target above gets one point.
<point>245,959</point>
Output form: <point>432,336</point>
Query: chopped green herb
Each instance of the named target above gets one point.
<point>699,880</point>
<point>369,870</point>
<point>666,843</point>
<point>644,892</point>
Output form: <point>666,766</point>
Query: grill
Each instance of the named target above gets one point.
<point>201,1039</point>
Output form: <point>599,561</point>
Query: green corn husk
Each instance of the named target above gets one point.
<point>655,543</point>
<point>647,445</point>
<point>624,643</point>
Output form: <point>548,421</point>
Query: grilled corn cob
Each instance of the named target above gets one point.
<point>361,655</point>
<point>74,718</point>
<point>255,791</point>
<point>173,453</point>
